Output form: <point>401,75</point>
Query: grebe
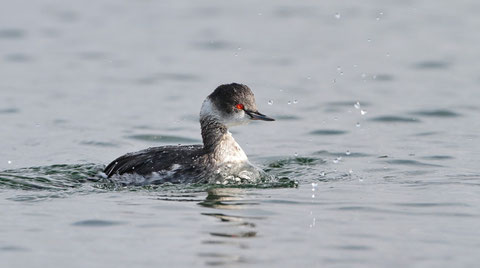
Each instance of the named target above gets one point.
<point>219,158</point>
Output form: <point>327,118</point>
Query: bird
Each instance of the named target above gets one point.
<point>220,158</point>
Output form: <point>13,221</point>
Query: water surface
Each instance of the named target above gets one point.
<point>377,108</point>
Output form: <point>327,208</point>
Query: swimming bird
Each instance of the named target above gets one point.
<point>219,158</point>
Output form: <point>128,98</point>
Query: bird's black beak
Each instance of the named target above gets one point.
<point>258,116</point>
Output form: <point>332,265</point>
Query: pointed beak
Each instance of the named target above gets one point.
<point>258,116</point>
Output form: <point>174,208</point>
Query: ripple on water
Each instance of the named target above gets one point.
<point>59,181</point>
<point>436,113</point>
<point>55,177</point>
<point>13,248</point>
<point>294,167</point>
<point>328,132</point>
<point>11,33</point>
<point>224,203</point>
<point>302,161</point>
<point>162,138</point>
<point>65,16</point>
<point>409,162</point>
<point>429,205</point>
<point>438,157</point>
<point>18,57</point>
<point>355,247</point>
<point>97,223</point>
<point>99,143</point>
<point>286,117</point>
<point>235,235</point>
<point>432,65</point>
<point>384,77</point>
<point>395,119</point>
<point>428,133</point>
<point>214,45</point>
<point>340,154</point>
<point>9,111</point>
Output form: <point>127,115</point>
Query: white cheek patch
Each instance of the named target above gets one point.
<point>235,119</point>
<point>209,110</point>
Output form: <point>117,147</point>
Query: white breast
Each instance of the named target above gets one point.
<point>229,150</point>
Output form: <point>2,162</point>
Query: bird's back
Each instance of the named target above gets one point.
<point>165,160</point>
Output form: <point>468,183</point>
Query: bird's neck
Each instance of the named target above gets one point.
<point>219,143</point>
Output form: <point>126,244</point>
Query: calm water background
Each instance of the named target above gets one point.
<point>390,181</point>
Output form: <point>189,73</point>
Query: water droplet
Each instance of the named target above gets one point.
<point>322,174</point>
<point>270,102</point>
<point>357,105</point>
<point>334,81</point>
<point>337,16</point>
<point>336,160</point>
<point>374,77</point>
<point>350,171</point>
<point>377,18</point>
<point>347,152</point>
<point>339,68</point>
<point>369,40</point>
<point>363,112</point>
<point>341,73</point>
<point>295,101</point>
<point>295,154</point>
<point>259,14</point>
<point>355,66</point>
<point>364,75</point>
<point>314,184</point>
<point>9,162</point>
<point>239,48</point>
<point>388,55</point>
<point>313,195</point>
<point>357,124</point>
<point>236,54</point>
<point>289,102</point>
<point>308,78</point>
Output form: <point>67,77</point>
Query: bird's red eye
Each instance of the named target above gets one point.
<point>239,106</point>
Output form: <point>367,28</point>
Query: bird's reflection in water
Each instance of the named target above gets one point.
<point>226,198</point>
<point>233,229</point>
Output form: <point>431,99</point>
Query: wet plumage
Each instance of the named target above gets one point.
<point>220,155</point>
